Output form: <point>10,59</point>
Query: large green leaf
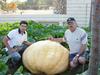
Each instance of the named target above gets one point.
<point>21,71</point>
<point>5,58</point>
<point>3,68</point>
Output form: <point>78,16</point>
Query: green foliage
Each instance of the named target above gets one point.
<point>4,58</point>
<point>3,65</point>
<point>3,68</point>
<point>21,71</point>
<point>86,72</point>
<point>41,32</point>
<point>99,71</point>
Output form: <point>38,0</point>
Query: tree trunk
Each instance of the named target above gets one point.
<point>60,6</point>
<point>95,53</point>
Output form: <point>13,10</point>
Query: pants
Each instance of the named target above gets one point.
<point>17,55</point>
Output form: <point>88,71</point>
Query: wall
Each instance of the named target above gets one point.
<point>80,9</point>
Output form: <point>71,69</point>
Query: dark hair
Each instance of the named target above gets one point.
<point>23,22</point>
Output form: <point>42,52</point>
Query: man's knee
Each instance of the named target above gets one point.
<point>16,56</point>
<point>82,60</point>
<point>72,64</point>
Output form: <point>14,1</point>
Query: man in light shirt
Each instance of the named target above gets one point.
<point>16,38</point>
<point>76,38</point>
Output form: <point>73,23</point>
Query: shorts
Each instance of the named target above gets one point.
<point>85,54</point>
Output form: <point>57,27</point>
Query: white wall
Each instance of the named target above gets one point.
<point>80,9</point>
<point>39,18</point>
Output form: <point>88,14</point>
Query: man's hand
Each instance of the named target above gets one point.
<point>27,43</point>
<point>75,59</point>
<point>11,50</point>
<point>51,38</point>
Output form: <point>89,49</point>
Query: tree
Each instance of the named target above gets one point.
<point>60,6</point>
<point>95,26</point>
<point>11,6</point>
<point>3,5</point>
<point>7,6</point>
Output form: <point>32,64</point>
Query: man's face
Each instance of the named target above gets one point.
<point>72,26</point>
<point>23,27</point>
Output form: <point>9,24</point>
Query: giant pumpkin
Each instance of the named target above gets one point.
<point>46,56</point>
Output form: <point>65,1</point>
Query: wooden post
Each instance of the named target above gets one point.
<point>95,27</point>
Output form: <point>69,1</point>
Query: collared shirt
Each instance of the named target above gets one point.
<point>16,38</point>
<point>75,39</point>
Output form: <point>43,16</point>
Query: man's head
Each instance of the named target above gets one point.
<point>71,24</point>
<point>23,26</point>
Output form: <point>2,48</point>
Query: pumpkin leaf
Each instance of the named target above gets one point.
<point>4,58</point>
<point>3,68</point>
<point>19,71</point>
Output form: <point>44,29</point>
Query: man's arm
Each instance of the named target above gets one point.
<point>57,39</point>
<point>82,49</point>
<point>27,43</point>
<point>5,41</point>
<point>84,41</point>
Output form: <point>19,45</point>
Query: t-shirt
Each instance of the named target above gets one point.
<point>16,38</point>
<point>75,39</point>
